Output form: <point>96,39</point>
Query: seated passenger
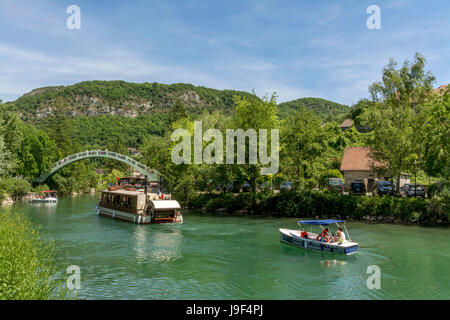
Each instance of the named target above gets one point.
<point>323,236</point>
<point>304,234</point>
<point>340,236</point>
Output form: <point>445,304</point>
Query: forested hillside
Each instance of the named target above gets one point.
<point>324,109</point>
<point>92,98</point>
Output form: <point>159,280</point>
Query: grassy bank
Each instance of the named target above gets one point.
<point>26,262</point>
<point>314,204</point>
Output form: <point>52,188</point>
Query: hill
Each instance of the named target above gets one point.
<point>324,109</point>
<point>98,112</point>
<point>93,98</point>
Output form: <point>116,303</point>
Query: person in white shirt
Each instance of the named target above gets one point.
<point>340,236</point>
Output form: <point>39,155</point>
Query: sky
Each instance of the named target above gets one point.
<point>295,48</point>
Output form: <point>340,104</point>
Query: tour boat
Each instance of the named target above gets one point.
<point>48,196</point>
<point>326,242</point>
<point>140,207</point>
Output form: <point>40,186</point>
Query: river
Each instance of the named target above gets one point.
<point>227,257</point>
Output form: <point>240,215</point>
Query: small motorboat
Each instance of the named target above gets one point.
<point>328,241</point>
<point>48,196</point>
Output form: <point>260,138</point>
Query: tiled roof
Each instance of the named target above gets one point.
<point>347,123</point>
<point>356,158</point>
<point>441,89</point>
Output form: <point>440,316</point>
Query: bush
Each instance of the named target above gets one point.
<point>311,204</point>
<point>16,188</point>
<point>26,267</point>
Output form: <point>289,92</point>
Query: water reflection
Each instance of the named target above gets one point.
<point>332,263</point>
<point>157,243</point>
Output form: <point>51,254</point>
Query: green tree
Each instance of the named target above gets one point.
<point>60,129</point>
<point>398,116</point>
<point>437,135</point>
<point>304,148</point>
<point>254,113</point>
<point>177,111</point>
<point>6,163</point>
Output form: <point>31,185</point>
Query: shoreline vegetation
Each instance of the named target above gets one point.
<point>27,267</point>
<point>316,204</point>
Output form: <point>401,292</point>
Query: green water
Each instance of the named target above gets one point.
<point>220,257</point>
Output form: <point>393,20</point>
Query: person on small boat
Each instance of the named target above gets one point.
<point>304,234</point>
<point>323,236</point>
<point>340,236</point>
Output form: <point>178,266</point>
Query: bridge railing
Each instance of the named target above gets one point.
<point>100,154</point>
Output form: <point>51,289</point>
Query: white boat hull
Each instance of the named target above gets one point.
<point>292,237</point>
<point>131,217</point>
<point>43,200</point>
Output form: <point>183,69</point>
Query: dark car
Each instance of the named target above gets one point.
<point>335,185</point>
<point>266,186</point>
<point>358,188</point>
<point>246,187</point>
<point>412,190</point>
<point>384,188</point>
<point>286,186</point>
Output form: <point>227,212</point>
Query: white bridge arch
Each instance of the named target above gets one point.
<point>152,175</point>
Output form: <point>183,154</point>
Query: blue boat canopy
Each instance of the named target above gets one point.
<point>320,222</point>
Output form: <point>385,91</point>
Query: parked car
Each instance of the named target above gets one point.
<point>412,190</point>
<point>286,186</point>
<point>246,187</point>
<point>335,185</point>
<point>357,187</point>
<point>384,188</point>
<point>232,187</point>
<point>266,186</point>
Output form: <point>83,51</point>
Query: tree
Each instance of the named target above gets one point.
<point>304,148</point>
<point>6,163</point>
<point>60,129</point>
<point>254,113</point>
<point>398,116</point>
<point>177,111</point>
<point>437,135</point>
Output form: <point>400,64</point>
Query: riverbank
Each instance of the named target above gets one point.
<point>316,204</point>
<point>8,200</point>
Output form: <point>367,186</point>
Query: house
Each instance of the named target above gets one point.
<point>404,178</point>
<point>440,91</point>
<point>347,124</point>
<point>134,152</point>
<point>357,165</point>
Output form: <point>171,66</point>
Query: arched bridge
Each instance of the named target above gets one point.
<point>151,174</point>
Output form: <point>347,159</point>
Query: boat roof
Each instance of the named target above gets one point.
<point>124,192</point>
<point>320,222</point>
<point>166,204</point>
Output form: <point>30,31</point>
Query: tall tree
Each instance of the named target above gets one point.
<point>304,147</point>
<point>177,111</point>
<point>437,136</point>
<point>398,116</point>
<point>254,113</point>
<point>60,129</point>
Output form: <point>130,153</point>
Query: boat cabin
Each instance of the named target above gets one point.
<point>138,207</point>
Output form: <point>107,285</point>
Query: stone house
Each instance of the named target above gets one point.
<point>357,165</point>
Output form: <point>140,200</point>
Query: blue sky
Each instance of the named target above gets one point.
<point>295,48</point>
